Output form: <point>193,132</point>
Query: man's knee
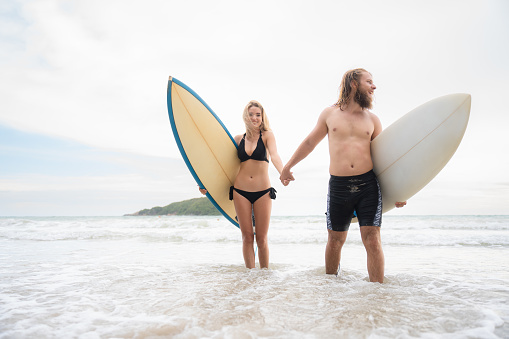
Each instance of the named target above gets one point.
<point>336,239</point>
<point>371,237</point>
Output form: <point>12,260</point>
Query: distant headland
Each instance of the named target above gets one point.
<point>196,206</point>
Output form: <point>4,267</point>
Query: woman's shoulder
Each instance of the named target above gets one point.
<point>238,138</point>
<point>267,134</point>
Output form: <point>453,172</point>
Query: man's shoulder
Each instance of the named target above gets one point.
<point>373,115</point>
<point>330,110</point>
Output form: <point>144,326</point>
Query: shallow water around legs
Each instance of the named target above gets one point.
<point>183,277</point>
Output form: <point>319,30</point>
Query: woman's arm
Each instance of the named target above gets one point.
<point>272,149</point>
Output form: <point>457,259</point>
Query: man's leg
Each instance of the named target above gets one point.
<point>373,243</point>
<point>333,251</point>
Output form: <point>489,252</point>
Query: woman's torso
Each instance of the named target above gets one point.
<point>253,173</point>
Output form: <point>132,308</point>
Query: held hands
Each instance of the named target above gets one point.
<point>286,176</point>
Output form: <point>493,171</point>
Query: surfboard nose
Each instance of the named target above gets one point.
<point>459,99</point>
<point>464,101</point>
<point>468,102</point>
<point>456,104</point>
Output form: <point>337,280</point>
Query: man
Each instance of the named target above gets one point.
<point>353,186</point>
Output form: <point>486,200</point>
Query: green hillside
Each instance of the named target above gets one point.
<point>196,206</point>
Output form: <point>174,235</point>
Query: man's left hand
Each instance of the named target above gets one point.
<point>400,204</point>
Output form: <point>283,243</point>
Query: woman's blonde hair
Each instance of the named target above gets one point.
<point>265,121</point>
<point>346,94</point>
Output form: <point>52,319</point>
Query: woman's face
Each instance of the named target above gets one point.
<point>255,116</point>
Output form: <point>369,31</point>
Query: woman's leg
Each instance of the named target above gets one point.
<point>262,210</point>
<point>243,208</point>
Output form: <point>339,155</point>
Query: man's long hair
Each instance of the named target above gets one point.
<point>346,91</point>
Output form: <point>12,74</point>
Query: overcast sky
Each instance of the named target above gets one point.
<point>84,127</point>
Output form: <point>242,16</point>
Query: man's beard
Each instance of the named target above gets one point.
<point>363,99</point>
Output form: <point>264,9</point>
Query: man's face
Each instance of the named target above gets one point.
<point>365,92</point>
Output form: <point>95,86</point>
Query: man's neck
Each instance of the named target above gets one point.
<point>354,108</point>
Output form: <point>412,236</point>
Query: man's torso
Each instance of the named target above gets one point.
<point>350,135</point>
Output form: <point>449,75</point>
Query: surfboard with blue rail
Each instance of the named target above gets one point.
<point>208,149</point>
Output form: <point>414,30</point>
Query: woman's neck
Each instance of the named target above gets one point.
<point>251,133</point>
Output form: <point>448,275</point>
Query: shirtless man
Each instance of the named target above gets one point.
<point>353,186</point>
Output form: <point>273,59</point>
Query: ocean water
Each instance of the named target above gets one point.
<point>184,277</point>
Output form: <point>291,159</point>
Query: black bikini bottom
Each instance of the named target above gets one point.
<point>253,196</point>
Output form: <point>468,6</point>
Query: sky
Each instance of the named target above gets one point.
<point>84,127</point>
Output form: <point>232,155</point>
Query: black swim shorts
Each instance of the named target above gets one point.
<point>359,193</point>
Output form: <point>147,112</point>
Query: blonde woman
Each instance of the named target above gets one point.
<point>252,191</point>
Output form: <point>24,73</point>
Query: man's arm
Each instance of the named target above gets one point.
<point>377,126</point>
<point>306,147</point>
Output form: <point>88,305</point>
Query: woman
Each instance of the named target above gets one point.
<point>251,192</point>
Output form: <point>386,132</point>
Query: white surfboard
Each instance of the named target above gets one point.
<point>408,154</point>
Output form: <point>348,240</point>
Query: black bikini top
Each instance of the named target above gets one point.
<point>260,153</point>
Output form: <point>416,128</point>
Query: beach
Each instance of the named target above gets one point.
<point>184,277</point>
